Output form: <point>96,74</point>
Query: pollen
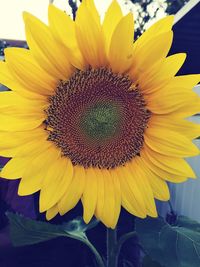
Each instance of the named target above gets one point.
<point>97,118</point>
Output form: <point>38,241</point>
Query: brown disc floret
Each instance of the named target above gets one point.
<point>97,118</point>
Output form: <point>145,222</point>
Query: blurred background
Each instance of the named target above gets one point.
<point>185,197</point>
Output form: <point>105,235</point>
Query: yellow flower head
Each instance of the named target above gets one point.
<point>92,115</point>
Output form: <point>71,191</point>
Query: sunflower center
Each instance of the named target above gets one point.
<point>97,118</point>
<point>101,121</point>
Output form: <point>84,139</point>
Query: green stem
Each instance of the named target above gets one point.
<point>171,207</point>
<point>113,247</point>
<point>123,239</point>
<point>112,256</point>
<point>96,253</point>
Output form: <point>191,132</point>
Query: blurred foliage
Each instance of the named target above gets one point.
<point>148,10</point>
<point>3,45</point>
<point>74,6</point>
<point>174,6</point>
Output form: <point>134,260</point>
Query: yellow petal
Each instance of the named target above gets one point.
<point>33,147</point>
<point>158,185</point>
<point>63,29</point>
<point>118,198</point>
<point>120,51</point>
<point>160,73</point>
<point>112,17</point>
<point>49,54</point>
<point>90,5</point>
<point>20,111</point>
<point>169,143</point>
<point>100,194</point>
<point>15,168</point>
<point>187,110</point>
<point>8,139</point>
<point>30,183</point>
<point>167,101</point>
<point>7,79</point>
<point>34,175</point>
<point>186,81</point>
<point>183,83</point>
<point>176,85</point>
<point>28,72</point>
<point>161,26</point>
<point>132,199</point>
<point>55,183</point>
<point>74,191</point>
<point>20,122</point>
<point>108,197</point>
<point>108,214</point>
<point>142,182</point>
<point>12,101</point>
<point>52,212</point>
<point>29,147</point>
<point>170,164</point>
<point>89,198</point>
<point>159,172</point>
<point>89,36</point>
<point>150,53</point>
<point>190,129</point>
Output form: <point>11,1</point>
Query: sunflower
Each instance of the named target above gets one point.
<point>94,116</point>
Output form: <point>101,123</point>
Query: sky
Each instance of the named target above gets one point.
<point>11,22</point>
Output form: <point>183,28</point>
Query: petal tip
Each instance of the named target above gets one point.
<point>26,15</point>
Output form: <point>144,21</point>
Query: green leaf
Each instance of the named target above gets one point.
<point>25,231</point>
<point>183,221</point>
<point>174,246</point>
